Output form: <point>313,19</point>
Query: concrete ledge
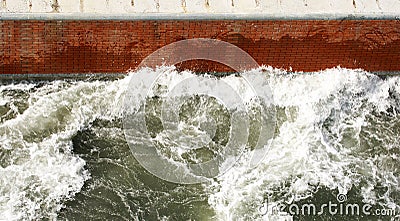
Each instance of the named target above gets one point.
<point>271,7</point>
<point>5,78</point>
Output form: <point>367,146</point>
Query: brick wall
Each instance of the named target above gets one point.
<point>98,46</point>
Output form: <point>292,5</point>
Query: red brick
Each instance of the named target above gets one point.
<point>116,46</point>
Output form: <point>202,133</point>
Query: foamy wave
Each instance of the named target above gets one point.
<point>325,121</point>
<point>38,170</point>
<point>320,118</point>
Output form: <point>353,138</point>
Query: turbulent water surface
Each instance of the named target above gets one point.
<point>64,155</point>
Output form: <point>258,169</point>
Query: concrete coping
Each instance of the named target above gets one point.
<point>196,16</point>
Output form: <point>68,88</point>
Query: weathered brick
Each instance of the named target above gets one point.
<point>117,46</point>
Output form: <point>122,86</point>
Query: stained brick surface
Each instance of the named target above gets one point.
<point>117,46</point>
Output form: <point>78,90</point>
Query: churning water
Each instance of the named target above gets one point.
<point>64,155</point>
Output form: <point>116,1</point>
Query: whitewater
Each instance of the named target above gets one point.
<point>64,153</point>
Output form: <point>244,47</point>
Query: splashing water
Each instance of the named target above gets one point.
<point>338,130</point>
<point>63,154</point>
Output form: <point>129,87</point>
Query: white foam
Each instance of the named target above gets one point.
<point>42,171</point>
<point>301,153</point>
